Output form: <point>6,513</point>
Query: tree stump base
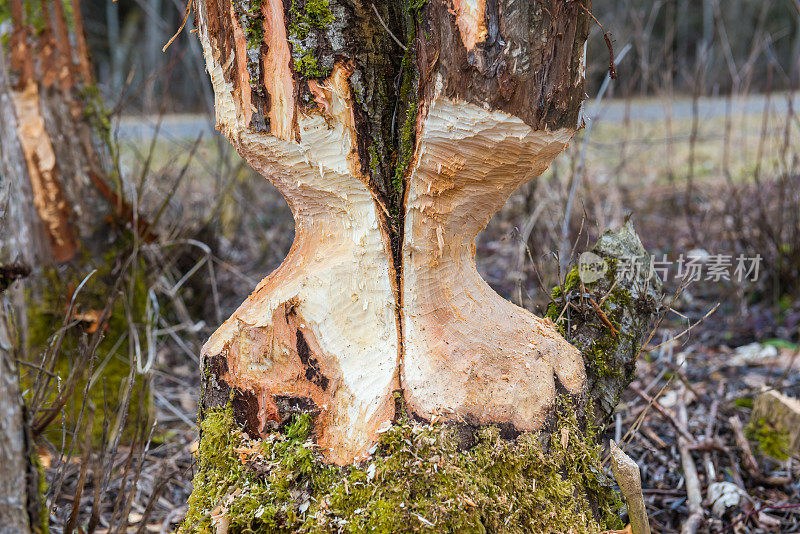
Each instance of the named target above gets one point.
<point>443,477</point>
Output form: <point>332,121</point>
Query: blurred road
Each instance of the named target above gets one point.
<point>653,109</point>
<point>188,127</point>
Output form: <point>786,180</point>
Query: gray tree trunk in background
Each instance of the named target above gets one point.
<point>15,490</point>
<point>22,243</point>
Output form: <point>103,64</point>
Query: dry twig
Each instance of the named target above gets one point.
<point>694,496</point>
<point>626,473</point>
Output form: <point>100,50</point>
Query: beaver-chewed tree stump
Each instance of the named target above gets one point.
<point>395,130</point>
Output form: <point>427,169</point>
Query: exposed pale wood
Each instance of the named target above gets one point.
<point>43,178</point>
<point>320,332</point>
<point>469,353</point>
<point>63,157</point>
<point>379,291</point>
<point>501,88</point>
<point>48,192</point>
<point>36,144</point>
<point>24,237</point>
<point>470,21</point>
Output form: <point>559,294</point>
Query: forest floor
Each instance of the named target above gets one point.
<point>720,343</point>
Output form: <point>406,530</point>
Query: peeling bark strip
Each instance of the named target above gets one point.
<point>392,159</point>
<point>55,125</point>
<point>48,194</point>
<point>37,147</point>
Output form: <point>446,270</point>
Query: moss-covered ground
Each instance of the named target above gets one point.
<point>417,479</point>
<point>102,376</point>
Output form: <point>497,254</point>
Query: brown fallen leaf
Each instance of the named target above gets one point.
<point>91,318</point>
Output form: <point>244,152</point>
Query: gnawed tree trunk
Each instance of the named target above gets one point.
<point>392,157</point>
<point>380,292</point>
<point>323,330</point>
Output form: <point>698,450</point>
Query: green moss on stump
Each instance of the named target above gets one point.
<point>771,441</point>
<point>255,26</point>
<point>609,339</point>
<point>417,479</point>
<point>604,343</point>
<point>308,66</point>
<point>407,98</point>
<point>251,18</point>
<point>309,15</point>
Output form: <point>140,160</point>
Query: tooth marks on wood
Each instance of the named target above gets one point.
<point>465,429</point>
<point>361,322</point>
<point>460,362</point>
<point>313,372</point>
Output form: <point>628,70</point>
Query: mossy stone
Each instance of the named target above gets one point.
<point>609,339</point>
<point>771,441</point>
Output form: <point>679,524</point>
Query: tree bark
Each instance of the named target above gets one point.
<point>395,133</point>
<point>20,501</point>
<point>58,119</point>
